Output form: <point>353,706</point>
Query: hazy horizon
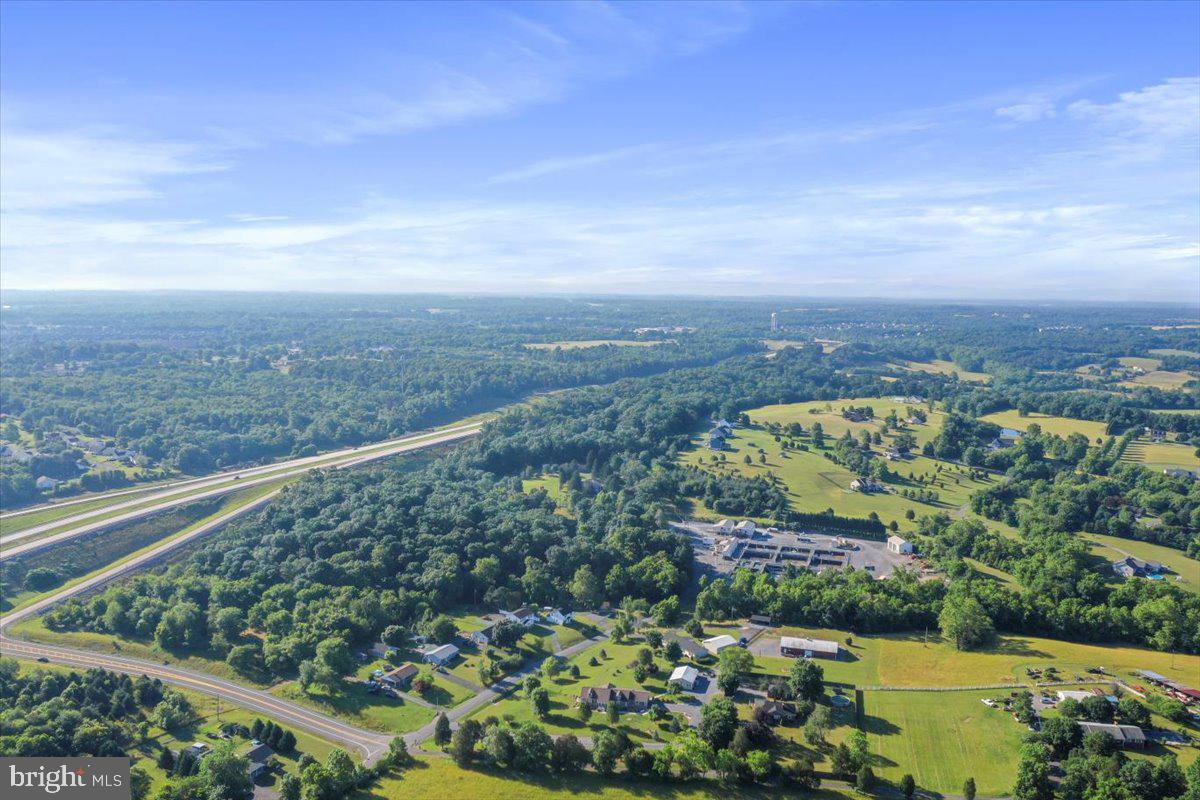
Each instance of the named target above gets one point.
<point>944,152</point>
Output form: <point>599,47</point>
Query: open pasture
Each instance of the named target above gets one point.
<point>1059,426</point>
<point>1161,455</point>
<point>942,367</point>
<point>588,343</point>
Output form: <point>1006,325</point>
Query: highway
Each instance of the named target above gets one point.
<point>370,743</point>
<point>146,504</point>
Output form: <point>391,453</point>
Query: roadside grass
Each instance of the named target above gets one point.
<point>584,344</point>
<point>20,523</point>
<point>1158,456</point>
<point>108,558</point>
<point>1114,548</point>
<point>814,483</point>
<point>942,738</point>
<point>942,367</point>
<point>614,668</point>
<point>442,779</point>
<point>351,703</point>
<point>1059,426</point>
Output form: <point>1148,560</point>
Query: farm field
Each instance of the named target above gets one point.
<point>1161,455</point>
<point>1163,379</point>
<point>584,344</point>
<point>941,367</point>
<point>441,779</point>
<point>1186,411</point>
<point>942,738</point>
<point>813,483</point>
<point>1060,426</point>
<point>909,661</point>
<point>1112,548</point>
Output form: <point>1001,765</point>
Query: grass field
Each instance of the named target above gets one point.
<point>1160,455</point>
<point>1171,351</point>
<point>1112,548</point>
<point>1187,411</point>
<point>813,483</point>
<point>940,367</point>
<point>583,344</point>
<point>1060,426</point>
<point>942,738</point>
<point>908,660</point>
<point>1163,379</point>
<point>441,779</point>
<point>829,414</point>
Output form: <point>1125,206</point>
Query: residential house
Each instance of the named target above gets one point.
<point>259,756</point>
<point>400,677</point>
<point>716,644</point>
<point>483,636</point>
<point>899,546</point>
<point>1132,567</point>
<point>744,528</point>
<point>441,655</point>
<point>687,645</point>
<point>523,615</point>
<point>892,454</point>
<point>724,526</point>
<point>684,677</point>
<point>780,713</point>
<point>197,750</point>
<point>1124,735</point>
<point>1175,472</point>
<point>556,616</point>
<point>601,697</point>
<point>866,485</point>
<point>802,647</point>
<point>716,441</point>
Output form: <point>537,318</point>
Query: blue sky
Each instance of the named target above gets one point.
<point>1007,150</point>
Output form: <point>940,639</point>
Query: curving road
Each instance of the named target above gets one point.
<point>145,505</point>
<point>372,744</point>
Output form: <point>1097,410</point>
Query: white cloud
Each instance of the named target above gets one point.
<point>66,169</point>
<point>1150,122</point>
<point>1031,110</point>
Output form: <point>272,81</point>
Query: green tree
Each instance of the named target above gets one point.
<point>908,786</point>
<point>968,789</point>
<point>806,679</point>
<point>718,722</point>
<point>1033,774</point>
<point>607,748</point>
<point>441,730</point>
<point>964,622</point>
<point>225,773</point>
<point>540,700</point>
<point>586,589</point>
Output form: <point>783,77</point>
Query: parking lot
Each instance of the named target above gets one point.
<point>773,551</point>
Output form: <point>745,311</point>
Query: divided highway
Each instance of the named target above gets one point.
<point>62,529</point>
<point>370,743</point>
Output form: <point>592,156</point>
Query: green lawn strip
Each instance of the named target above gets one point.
<point>352,703</point>
<point>231,503</point>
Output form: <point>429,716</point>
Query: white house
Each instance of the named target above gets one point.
<point>724,526</point>
<point>441,655</point>
<point>685,677</point>
<point>524,615</point>
<point>556,616</point>
<point>46,482</point>
<point>744,528</point>
<point>899,545</point>
<point>1073,694</point>
<point>718,643</point>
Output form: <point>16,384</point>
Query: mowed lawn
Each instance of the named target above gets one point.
<point>814,483</point>
<point>942,738</point>
<point>378,712</point>
<point>1113,548</point>
<point>1158,456</point>
<point>1059,426</point>
<point>441,779</point>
